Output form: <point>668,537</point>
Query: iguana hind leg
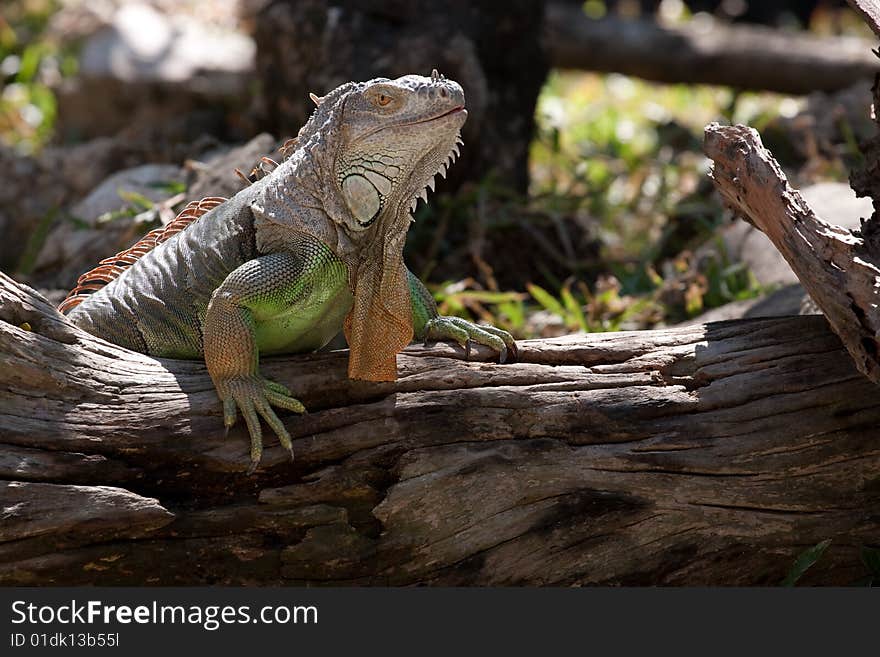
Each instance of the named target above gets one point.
<point>283,303</point>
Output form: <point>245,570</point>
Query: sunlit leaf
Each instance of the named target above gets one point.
<point>547,300</point>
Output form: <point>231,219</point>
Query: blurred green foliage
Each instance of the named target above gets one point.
<point>627,152</point>
<point>30,62</point>
<point>625,156</point>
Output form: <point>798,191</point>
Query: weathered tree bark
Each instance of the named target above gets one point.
<point>747,57</point>
<point>837,268</point>
<point>703,455</point>
<point>865,181</point>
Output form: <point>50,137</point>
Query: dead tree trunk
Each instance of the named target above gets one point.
<point>702,455</point>
<point>866,180</point>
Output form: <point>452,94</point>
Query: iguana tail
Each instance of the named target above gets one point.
<point>109,269</point>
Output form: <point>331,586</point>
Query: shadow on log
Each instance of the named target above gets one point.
<point>701,455</point>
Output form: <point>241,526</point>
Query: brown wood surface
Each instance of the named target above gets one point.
<point>702,455</point>
<point>839,271</point>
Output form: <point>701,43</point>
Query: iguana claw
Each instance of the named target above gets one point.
<point>255,396</point>
<point>464,332</point>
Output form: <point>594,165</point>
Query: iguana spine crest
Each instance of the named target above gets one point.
<point>110,269</point>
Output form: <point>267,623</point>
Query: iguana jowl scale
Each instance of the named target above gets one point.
<point>315,246</point>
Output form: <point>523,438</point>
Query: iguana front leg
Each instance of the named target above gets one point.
<point>261,287</point>
<point>429,325</point>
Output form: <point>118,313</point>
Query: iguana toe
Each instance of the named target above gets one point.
<point>254,396</point>
<point>464,332</point>
<point>509,342</point>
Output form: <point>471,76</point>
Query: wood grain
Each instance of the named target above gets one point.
<point>702,455</point>
<point>839,271</point>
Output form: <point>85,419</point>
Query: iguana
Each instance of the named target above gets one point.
<point>313,247</point>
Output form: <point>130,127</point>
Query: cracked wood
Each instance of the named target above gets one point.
<point>836,267</point>
<point>702,455</point>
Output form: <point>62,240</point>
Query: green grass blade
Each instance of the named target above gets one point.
<point>805,561</point>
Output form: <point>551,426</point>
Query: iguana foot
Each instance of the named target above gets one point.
<point>253,394</point>
<point>464,332</point>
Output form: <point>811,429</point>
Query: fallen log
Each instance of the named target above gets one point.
<point>709,454</point>
<point>742,56</point>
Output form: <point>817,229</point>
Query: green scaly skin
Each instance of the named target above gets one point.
<point>275,269</point>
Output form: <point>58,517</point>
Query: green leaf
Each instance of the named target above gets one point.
<point>8,40</point>
<point>135,198</point>
<point>30,62</point>
<point>575,314</point>
<point>547,300</point>
<point>171,187</point>
<point>515,313</point>
<point>489,296</point>
<point>805,561</point>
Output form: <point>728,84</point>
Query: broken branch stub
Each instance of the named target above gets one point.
<point>838,269</point>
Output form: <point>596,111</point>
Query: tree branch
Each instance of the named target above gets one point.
<point>836,268</point>
<point>747,57</point>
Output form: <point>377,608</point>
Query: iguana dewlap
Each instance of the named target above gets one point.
<point>314,247</point>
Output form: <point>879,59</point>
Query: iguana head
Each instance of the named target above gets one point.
<point>394,137</point>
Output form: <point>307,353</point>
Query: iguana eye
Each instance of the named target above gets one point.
<point>382,100</point>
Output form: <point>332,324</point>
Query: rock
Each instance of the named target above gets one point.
<point>92,231</point>
<point>148,181</point>
<point>76,245</point>
<point>154,64</point>
<point>835,203</point>
<point>142,44</point>
<point>31,193</point>
<point>787,300</point>
<point>215,175</point>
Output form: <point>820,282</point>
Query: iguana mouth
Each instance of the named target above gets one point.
<point>455,110</point>
<point>458,109</point>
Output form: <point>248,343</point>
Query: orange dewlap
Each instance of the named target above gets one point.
<point>379,324</point>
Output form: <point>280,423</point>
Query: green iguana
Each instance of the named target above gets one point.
<point>314,246</point>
